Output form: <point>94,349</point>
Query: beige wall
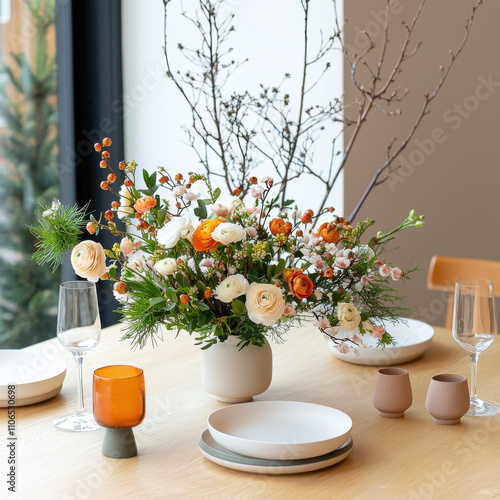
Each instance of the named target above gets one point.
<point>457,186</point>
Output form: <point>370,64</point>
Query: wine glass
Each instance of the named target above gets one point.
<point>474,329</point>
<point>78,330</point>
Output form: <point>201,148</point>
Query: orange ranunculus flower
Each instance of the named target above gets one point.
<point>328,273</point>
<point>300,285</point>
<point>144,204</point>
<point>328,232</point>
<point>288,271</point>
<point>202,236</point>
<point>279,226</point>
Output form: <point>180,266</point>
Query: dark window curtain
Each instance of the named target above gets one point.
<point>89,82</point>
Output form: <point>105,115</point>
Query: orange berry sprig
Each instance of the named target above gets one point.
<point>178,185</point>
<point>106,185</point>
<point>111,179</point>
<point>104,163</point>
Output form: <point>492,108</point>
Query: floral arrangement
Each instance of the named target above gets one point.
<point>221,268</point>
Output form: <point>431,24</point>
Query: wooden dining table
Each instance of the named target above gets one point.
<point>402,458</point>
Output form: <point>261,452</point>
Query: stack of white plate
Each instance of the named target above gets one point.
<point>277,437</point>
<point>34,376</point>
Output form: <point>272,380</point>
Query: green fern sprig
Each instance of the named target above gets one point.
<point>59,230</point>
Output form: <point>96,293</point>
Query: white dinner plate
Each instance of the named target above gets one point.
<point>35,377</point>
<point>221,456</point>
<point>413,338</point>
<point>279,430</point>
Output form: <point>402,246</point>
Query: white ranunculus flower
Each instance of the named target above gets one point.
<point>135,263</point>
<point>174,230</point>
<point>220,210</point>
<point>227,232</point>
<point>364,250</point>
<point>125,207</point>
<point>235,203</point>
<point>232,287</point>
<point>348,315</point>
<point>265,303</point>
<point>190,196</point>
<point>179,190</point>
<point>166,267</point>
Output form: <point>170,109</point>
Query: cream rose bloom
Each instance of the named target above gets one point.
<point>227,232</point>
<point>166,267</point>
<point>88,260</point>
<point>232,287</point>
<point>348,315</point>
<point>265,303</point>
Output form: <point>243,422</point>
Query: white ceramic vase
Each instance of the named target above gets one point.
<point>236,376</point>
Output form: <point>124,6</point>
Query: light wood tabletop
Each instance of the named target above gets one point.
<point>404,458</point>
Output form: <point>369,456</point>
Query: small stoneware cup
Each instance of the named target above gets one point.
<point>392,394</point>
<point>447,398</point>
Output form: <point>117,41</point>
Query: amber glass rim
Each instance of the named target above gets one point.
<point>139,372</point>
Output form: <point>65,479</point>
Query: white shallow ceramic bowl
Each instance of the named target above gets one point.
<point>413,338</point>
<point>279,430</point>
<point>36,378</point>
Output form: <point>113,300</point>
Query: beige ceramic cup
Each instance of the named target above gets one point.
<point>392,394</point>
<point>447,398</point>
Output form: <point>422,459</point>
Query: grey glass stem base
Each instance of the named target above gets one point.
<point>480,408</point>
<point>119,443</point>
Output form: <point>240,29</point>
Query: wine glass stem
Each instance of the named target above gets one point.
<point>81,402</point>
<point>473,375</point>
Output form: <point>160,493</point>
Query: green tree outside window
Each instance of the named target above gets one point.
<point>28,172</point>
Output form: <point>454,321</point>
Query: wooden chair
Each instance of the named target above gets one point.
<point>444,271</point>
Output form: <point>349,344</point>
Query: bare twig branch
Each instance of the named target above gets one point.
<point>233,132</point>
<point>428,98</point>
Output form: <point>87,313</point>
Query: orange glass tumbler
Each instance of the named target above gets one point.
<point>119,399</point>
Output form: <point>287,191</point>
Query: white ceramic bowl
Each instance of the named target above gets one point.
<point>413,338</point>
<point>280,430</point>
<point>36,378</point>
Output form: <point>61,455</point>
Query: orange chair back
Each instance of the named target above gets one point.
<point>444,271</point>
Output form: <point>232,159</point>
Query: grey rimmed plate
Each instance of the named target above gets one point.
<point>219,455</point>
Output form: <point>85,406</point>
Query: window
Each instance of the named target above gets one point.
<point>48,125</point>
<point>28,167</point>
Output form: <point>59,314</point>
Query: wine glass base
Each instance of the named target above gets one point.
<point>79,422</point>
<point>480,408</point>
